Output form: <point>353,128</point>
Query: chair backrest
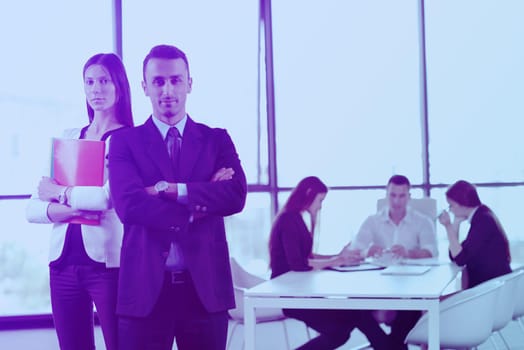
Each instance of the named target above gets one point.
<point>506,299</point>
<point>426,206</point>
<point>243,280</point>
<point>519,303</point>
<point>466,318</point>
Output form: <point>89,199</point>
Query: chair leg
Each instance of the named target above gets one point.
<point>228,343</point>
<point>492,340</point>
<point>286,335</point>
<point>308,333</point>
<point>521,323</point>
<point>501,336</point>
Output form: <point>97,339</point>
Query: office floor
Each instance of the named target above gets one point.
<point>269,336</point>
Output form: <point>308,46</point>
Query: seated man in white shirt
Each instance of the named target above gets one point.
<point>403,233</point>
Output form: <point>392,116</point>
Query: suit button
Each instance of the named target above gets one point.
<point>204,208</point>
<point>197,207</point>
<point>177,229</point>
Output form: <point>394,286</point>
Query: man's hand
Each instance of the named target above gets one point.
<point>419,254</point>
<point>351,256</point>
<point>375,251</point>
<point>223,174</point>
<point>399,251</point>
<point>150,190</point>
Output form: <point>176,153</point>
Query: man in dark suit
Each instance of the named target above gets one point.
<point>175,279</point>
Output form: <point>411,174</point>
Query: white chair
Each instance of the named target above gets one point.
<point>518,312</point>
<point>466,318</point>
<point>426,206</point>
<point>243,280</point>
<point>506,301</point>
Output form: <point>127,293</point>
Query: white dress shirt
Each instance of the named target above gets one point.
<point>414,231</point>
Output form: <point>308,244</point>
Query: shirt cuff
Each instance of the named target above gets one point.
<point>182,193</point>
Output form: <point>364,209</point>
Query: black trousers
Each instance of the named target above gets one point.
<point>178,314</point>
<point>335,326</point>
<point>400,327</point>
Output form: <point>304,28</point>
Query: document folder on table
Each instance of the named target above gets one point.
<point>77,162</point>
<point>356,267</point>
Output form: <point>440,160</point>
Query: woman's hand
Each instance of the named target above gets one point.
<point>60,213</point>
<point>444,218</point>
<point>351,256</point>
<point>49,190</point>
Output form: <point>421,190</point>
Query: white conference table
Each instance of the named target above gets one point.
<point>353,290</point>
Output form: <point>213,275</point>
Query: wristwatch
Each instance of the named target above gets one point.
<point>161,187</point>
<point>62,198</point>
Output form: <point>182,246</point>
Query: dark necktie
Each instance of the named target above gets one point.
<point>173,141</point>
<point>175,259</point>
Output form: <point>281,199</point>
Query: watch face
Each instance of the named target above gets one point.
<point>161,186</point>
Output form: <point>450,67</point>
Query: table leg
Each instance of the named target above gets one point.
<point>249,324</point>
<point>434,326</point>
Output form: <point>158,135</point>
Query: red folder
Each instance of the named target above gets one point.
<point>78,163</point>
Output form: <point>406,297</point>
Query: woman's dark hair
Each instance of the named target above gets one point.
<point>304,194</point>
<point>299,200</point>
<point>464,193</point>
<point>114,66</point>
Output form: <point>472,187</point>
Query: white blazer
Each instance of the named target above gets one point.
<point>102,242</point>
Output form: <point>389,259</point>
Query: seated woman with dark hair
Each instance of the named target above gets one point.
<point>291,249</point>
<point>485,251</point>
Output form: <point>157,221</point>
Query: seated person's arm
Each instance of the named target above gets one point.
<point>419,253</point>
<point>319,264</point>
<point>452,231</point>
<point>416,253</point>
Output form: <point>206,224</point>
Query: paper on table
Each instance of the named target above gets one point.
<point>422,262</point>
<point>405,270</point>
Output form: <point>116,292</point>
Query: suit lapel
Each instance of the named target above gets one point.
<point>191,147</point>
<point>157,150</point>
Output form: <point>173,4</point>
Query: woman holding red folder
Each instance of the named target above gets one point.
<point>84,259</point>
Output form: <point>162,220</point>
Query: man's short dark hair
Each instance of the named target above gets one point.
<point>399,180</point>
<point>169,52</point>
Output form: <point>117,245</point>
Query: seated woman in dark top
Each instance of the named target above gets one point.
<point>485,251</point>
<point>291,249</point>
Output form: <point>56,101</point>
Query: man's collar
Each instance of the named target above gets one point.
<point>384,214</point>
<point>163,127</point>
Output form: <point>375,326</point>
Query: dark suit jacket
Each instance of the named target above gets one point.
<point>138,158</point>
<point>485,251</point>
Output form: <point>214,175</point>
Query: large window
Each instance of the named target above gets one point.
<point>475,86</point>
<point>347,91</point>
